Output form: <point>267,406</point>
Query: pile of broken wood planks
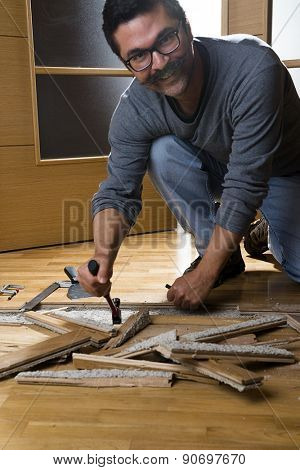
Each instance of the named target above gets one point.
<point>214,355</point>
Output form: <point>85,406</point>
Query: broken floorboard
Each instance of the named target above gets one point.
<point>78,322</point>
<point>98,378</point>
<point>137,347</point>
<point>239,353</point>
<point>225,372</point>
<point>134,324</point>
<point>294,321</point>
<point>39,353</point>
<point>91,361</point>
<point>251,326</point>
<point>98,336</point>
<point>237,377</point>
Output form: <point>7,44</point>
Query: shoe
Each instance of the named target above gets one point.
<point>235,266</point>
<point>256,238</point>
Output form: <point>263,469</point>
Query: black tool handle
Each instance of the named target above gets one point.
<point>93,266</point>
<point>114,304</point>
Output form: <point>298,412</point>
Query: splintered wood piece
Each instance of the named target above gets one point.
<point>134,324</point>
<point>91,361</point>
<point>237,329</point>
<point>225,372</point>
<point>143,346</point>
<point>294,322</point>
<point>137,348</point>
<point>196,378</point>
<point>53,324</point>
<point>62,326</point>
<point>97,378</point>
<point>224,351</point>
<point>35,354</point>
<point>78,322</point>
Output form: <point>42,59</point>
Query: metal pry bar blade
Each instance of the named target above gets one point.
<point>40,297</point>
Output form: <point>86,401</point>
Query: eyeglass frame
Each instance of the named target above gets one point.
<point>154,49</point>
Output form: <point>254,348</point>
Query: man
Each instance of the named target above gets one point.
<point>210,119</point>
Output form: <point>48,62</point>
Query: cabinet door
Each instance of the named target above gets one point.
<point>242,16</point>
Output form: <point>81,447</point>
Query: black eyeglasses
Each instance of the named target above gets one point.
<point>165,45</point>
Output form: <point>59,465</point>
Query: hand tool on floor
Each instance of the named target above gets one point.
<point>33,303</point>
<point>10,290</point>
<point>77,292</point>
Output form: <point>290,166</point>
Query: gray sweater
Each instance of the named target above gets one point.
<point>249,119</point>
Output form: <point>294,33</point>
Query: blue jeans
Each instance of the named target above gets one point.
<point>190,181</point>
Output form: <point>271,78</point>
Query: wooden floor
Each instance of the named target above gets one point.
<point>188,415</point>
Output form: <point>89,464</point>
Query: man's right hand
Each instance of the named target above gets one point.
<point>110,228</point>
<point>97,285</point>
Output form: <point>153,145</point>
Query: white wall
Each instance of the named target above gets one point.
<point>286,28</point>
<point>296,78</point>
<point>286,33</point>
<point>204,16</point>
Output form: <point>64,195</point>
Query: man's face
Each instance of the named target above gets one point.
<point>168,74</point>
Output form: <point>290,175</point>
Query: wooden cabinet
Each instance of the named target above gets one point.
<point>16,126</point>
<point>242,16</point>
<point>13,18</point>
<point>47,202</point>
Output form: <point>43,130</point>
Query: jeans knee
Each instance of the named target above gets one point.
<point>292,270</point>
<point>287,254</point>
<point>170,157</point>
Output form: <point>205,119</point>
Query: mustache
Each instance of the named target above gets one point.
<point>165,73</point>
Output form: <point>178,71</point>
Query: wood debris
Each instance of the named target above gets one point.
<point>134,324</point>
<point>211,356</point>
<point>235,352</point>
<point>225,372</point>
<point>39,353</point>
<point>58,325</point>
<point>79,321</point>
<point>237,329</point>
<point>91,361</point>
<point>143,346</point>
<point>294,321</point>
<point>98,378</point>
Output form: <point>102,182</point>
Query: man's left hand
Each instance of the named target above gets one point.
<point>190,290</point>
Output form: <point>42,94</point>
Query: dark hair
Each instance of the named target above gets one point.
<point>116,12</point>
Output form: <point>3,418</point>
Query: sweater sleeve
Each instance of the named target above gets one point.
<point>130,145</point>
<point>256,114</point>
